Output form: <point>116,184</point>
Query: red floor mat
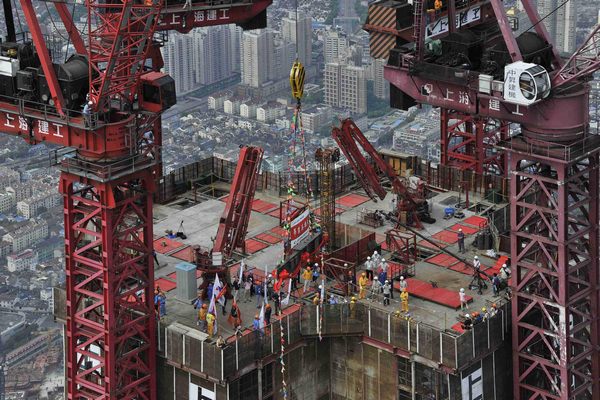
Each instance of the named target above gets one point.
<point>165,285</point>
<point>457,327</point>
<point>352,200</point>
<point>467,230</point>
<point>338,211</point>
<point>165,245</point>
<point>186,254</point>
<point>263,206</point>
<point>172,275</point>
<point>475,220</point>
<point>498,265</point>
<point>442,260</point>
<point>252,246</point>
<point>274,213</point>
<point>446,236</point>
<point>425,291</point>
<point>279,231</point>
<point>265,237</point>
<point>425,243</point>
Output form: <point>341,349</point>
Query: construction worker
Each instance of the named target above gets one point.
<point>493,310</point>
<point>362,285</point>
<point>403,283</point>
<point>386,294</point>
<point>383,265</point>
<point>375,289</point>
<point>202,317</point>
<point>375,258</point>
<point>268,314</point>
<point>210,323</point>
<point>437,5</point>
<point>247,289</point>
<point>467,323</point>
<point>485,314</point>
<point>504,273</point>
<point>461,241</point>
<point>307,277</point>
<point>496,284</point>
<point>162,303</point>
<point>464,305</point>
<point>476,263</point>
<point>404,300</point>
<point>351,282</point>
<point>315,273</point>
<point>316,299</point>
<point>353,307</point>
<point>369,268</point>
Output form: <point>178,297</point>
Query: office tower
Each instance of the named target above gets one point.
<point>561,24</point>
<point>283,58</point>
<point>178,63</point>
<point>346,87</point>
<point>304,31</point>
<point>257,57</point>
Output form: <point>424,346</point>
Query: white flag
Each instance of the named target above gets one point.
<point>218,291</point>
<point>286,301</point>
<point>242,267</point>
<point>261,317</point>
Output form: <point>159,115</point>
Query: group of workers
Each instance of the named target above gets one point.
<point>477,317</point>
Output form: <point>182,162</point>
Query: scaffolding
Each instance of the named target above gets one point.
<point>327,159</point>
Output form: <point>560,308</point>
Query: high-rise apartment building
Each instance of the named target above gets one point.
<point>283,58</point>
<point>178,63</point>
<point>346,87</point>
<point>334,45</point>
<point>257,57</point>
<point>303,29</point>
<point>204,57</point>
<point>561,22</point>
<point>381,87</point>
<point>213,54</point>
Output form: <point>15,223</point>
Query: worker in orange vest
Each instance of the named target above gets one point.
<point>362,285</point>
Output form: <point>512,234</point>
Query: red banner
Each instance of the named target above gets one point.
<point>300,228</point>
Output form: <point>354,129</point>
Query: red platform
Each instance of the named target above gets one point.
<point>476,221</point>
<point>165,284</point>
<point>446,236</point>
<point>467,230</point>
<point>266,237</point>
<point>425,291</point>
<point>186,254</point>
<point>352,200</point>
<point>165,245</point>
<point>457,327</point>
<point>252,246</point>
<point>275,213</point>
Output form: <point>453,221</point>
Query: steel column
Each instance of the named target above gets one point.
<point>468,142</point>
<point>554,253</point>
<point>111,343</point>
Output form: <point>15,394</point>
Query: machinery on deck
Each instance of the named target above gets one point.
<point>481,76</point>
<point>105,102</point>
<point>412,205</point>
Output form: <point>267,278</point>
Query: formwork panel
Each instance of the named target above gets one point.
<point>193,353</point>
<point>449,350</point>
<point>464,349</point>
<point>371,371</point>
<point>164,379</point>
<point>399,333</point>
<point>229,360</point>
<point>480,335</point>
<point>413,336</point>
<point>495,331</point>
<point>182,387</point>
<point>388,376</point>
<point>174,346</point>
<point>211,361</point>
<point>378,324</point>
<point>429,342</point>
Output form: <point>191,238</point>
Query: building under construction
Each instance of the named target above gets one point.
<point>140,245</point>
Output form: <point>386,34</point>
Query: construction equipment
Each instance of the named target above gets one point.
<point>411,203</point>
<point>327,159</point>
<point>108,185</point>
<point>486,76</point>
<point>233,224</point>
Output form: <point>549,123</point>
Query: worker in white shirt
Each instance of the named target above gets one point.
<point>369,268</point>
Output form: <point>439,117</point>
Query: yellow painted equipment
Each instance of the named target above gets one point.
<point>297,80</point>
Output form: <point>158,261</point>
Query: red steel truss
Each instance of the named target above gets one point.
<point>119,37</point>
<point>111,343</point>
<point>554,253</point>
<point>468,142</point>
<point>233,225</point>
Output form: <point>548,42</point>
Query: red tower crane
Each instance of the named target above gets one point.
<point>481,71</point>
<point>349,137</point>
<point>108,185</point>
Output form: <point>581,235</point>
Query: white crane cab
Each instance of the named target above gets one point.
<point>525,83</point>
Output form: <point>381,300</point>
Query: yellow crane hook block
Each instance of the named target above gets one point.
<point>297,80</point>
